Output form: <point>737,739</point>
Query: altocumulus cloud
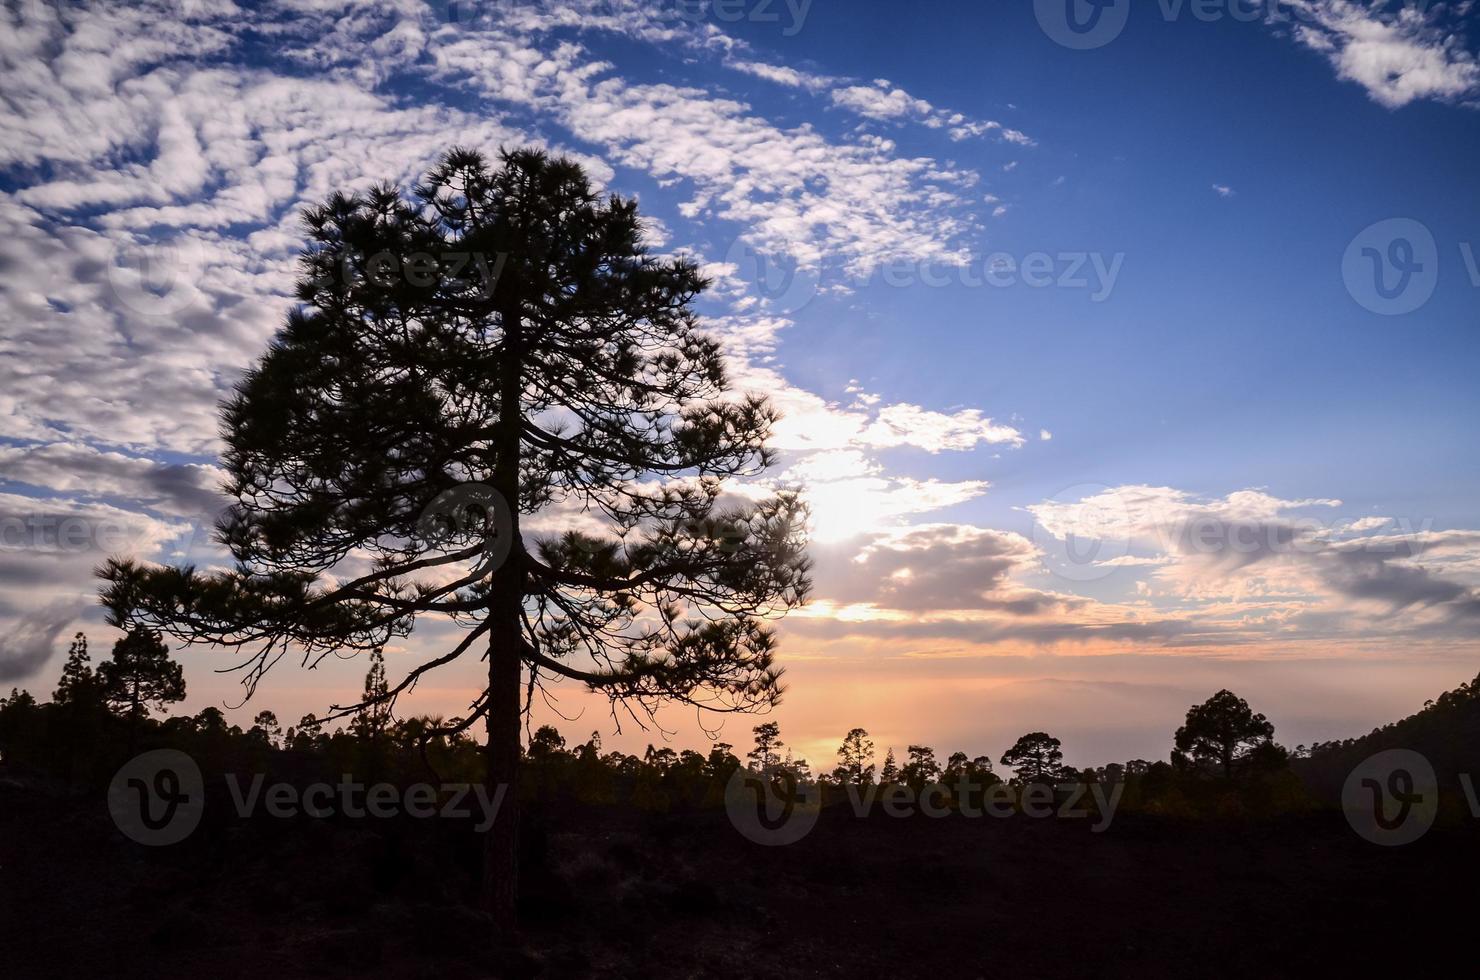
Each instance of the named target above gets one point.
<point>157,155</point>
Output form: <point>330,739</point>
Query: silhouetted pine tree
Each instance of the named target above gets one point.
<point>1037,757</point>
<point>890,773</point>
<point>1223,732</point>
<point>140,673</point>
<point>504,327</point>
<point>79,685</point>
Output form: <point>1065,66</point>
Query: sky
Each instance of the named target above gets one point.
<point>1125,353</point>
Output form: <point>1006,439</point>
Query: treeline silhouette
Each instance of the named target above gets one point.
<point>638,845</point>
<point>1224,761</point>
<point>1446,732</point>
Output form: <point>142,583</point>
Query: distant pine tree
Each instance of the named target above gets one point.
<point>768,745</point>
<point>79,685</point>
<point>1036,758</point>
<point>855,759</point>
<point>140,673</point>
<point>890,773</point>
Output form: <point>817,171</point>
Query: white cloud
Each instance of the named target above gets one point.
<point>782,75</point>
<point>882,101</point>
<point>911,425</point>
<point>1397,56</point>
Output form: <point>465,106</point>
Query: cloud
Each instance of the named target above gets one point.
<point>1398,56</point>
<point>882,101</point>
<point>1223,190</point>
<point>931,567</point>
<point>1158,516</point>
<point>30,641</point>
<point>156,256</point>
<point>1249,547</point>
<point>783,75</point>
<point>905,424</point>
<point>176,489</point>
<point>51,546</point>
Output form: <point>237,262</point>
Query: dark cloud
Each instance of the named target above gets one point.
<point>939,566</point>
<point>1361,574</point>
<point>180,489</point>
<point>1379,569</point>
<point>1178,632</point>
<point>29,642</point>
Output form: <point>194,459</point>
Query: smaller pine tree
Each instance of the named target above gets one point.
<point>890,772</point>
<point>372,720</point>
<point>140,673</point>
<point>79,685</point>
<point>768,745</point>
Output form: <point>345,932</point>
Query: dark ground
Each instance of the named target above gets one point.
<point>623,894</point>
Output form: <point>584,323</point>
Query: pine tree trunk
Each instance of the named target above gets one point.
<point>501,844</point>
<point>133,721</point>
<point>505,656</point>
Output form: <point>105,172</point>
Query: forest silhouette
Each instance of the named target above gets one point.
<point>631,839</point>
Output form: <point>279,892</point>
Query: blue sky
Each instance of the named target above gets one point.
<point>1202,359</point>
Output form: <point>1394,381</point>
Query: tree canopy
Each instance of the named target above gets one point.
<point>1222,732</point>
<point>1037,757</point>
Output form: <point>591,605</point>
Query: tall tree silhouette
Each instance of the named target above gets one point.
<point>372,720</point>
<point>79,698</point>
<point>140,673</point>
<point>79,684</point>
<point>1221,731</point>
<point>504,327</point>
